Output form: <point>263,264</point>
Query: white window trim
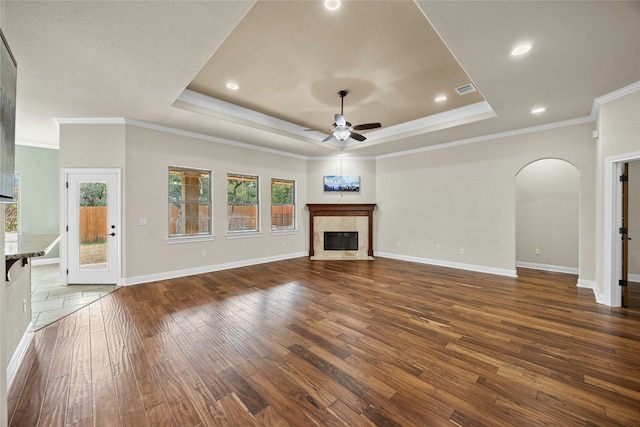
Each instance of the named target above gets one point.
<point>293,230</point>
<point>243,234</point>
<point>190,239</point>
<point>283,232</point>
<point>239,234</point>
<point>179,238</point>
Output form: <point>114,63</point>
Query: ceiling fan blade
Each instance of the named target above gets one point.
<point>328,138</point>
<point>340,120</point>
<point>367,126</point>
<point>357,136</point>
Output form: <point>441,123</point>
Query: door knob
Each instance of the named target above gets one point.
<point>111,234</point>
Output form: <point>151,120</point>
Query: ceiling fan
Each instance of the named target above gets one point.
<point>342,129</point>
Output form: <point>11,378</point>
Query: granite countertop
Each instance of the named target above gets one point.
<point>18,245</point>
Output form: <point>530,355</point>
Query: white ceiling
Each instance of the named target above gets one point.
<point>135,60</point>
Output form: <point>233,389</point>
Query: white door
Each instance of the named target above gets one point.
<point>93,228</point>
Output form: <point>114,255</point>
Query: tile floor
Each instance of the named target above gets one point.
<point>50,301</point>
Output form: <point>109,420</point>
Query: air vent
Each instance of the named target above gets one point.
<point>463,90</point>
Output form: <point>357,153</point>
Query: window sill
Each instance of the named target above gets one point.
<point>244,235</point>
<point>283,232</point>
<point>190,239</point>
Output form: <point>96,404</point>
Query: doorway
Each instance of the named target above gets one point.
<point>612,243</point>
<point>547,216</point>
<point>92,214</point>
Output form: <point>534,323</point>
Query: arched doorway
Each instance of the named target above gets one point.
<point>547,216</point>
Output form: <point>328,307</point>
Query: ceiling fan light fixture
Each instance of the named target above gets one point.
<point>332,4</point>
<point>341,135</point>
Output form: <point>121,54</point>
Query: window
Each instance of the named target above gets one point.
<point>189,202</point>
<point>242,203</point>
<point>283,204</point>
<point>12,210</point>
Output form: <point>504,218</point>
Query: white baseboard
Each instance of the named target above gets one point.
<point>633,277</point>
<point>547,267</point>
<point>18,355</point>
<point>450,264</point>
<point>136,280</point>
<point>44,261</point>
<point>590,284</point>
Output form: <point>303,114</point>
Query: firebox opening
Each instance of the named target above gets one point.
<point>340,240</point>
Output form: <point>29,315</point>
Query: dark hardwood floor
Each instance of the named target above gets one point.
<point>355,343</point>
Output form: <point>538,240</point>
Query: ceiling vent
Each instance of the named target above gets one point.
<point>463,90</point>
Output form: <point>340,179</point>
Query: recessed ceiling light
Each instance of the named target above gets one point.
<point>538,110</point>
<point>332,4</point>
<point>441,98</point>
<point>521,49</point>
<point>232,86</point>
<point>343,154</point>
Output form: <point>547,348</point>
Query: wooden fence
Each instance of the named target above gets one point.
<point>203,222</point>
<point>282,217</point>
<point>93,220</point>
<point>93,224</point>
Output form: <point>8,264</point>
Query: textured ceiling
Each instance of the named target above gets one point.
<point>291,59</point>
<point>163,62</point>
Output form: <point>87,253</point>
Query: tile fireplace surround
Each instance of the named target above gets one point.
<point>341,217</point>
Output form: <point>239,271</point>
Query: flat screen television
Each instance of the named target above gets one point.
<point>8,82</point>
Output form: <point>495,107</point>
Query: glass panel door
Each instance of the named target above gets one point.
<point>93,231</point>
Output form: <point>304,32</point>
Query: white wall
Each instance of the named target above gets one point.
<point>618,127</point>
<point>149,154</point>
<point>547,207</point>
<point>144,155</point>
<point>463,197</point>
<point>365,168</point>
<point>92,145</point>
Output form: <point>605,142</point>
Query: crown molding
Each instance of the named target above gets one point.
<point>624,91</point>
<point>194,101</point>
<point>197,102</point>
<point>210,138</point>
<point>175,131</point>
<point>196,135</point>
<point>490,137</point>
<point>37,145</point>
<point>338,156</point>
<point>463,113</point>
<point>89,120</point>
<point>458,116</point>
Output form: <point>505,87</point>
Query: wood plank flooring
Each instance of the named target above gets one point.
<point>337,343</point>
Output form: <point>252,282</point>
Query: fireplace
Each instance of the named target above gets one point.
<point>341,231</point>
<point>340,240</point>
